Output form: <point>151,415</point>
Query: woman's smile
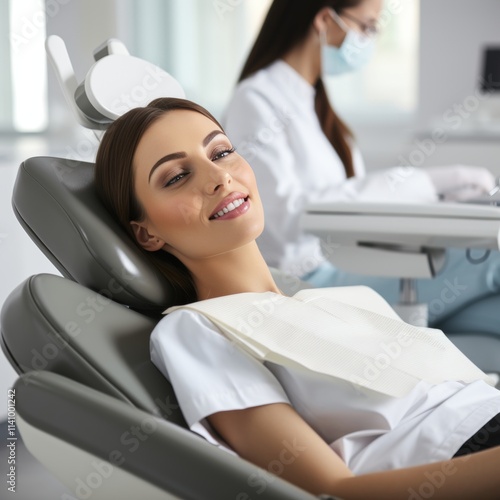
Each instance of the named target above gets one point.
<point>232,206</point>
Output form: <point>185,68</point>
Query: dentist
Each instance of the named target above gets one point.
<point>281,121</point>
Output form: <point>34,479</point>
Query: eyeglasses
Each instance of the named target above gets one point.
<point>366,29</point>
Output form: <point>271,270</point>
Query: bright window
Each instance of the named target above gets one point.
<point>202,43</point>
<point>23,81</point>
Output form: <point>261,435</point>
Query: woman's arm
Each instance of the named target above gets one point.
<point>277,439</point>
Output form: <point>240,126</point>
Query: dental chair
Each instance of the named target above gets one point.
<point>90,405</point>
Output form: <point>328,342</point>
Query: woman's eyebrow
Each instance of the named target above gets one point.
<point>210,136</point>
<point>177,156</point>
<point>172,156</point>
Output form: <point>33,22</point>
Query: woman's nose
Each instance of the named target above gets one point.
<point>216,179</point>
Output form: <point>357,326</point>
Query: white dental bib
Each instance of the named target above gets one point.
<point>321,330</point>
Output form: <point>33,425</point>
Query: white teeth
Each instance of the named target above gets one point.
<point>229,207</point>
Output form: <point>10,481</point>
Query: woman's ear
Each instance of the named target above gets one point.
<point>147,241</point>
<point>325,25</point>
<point>321,19</point>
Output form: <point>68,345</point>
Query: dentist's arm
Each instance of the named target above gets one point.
<point>277,439</point>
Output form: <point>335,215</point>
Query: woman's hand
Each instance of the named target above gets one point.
<point>460,182</point>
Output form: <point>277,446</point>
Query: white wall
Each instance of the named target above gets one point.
<point>452,33</point>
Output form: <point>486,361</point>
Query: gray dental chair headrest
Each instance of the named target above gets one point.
<point>55,201</point>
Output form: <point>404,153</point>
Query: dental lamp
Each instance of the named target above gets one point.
<point>115,83</point>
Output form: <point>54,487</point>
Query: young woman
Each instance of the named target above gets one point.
<point>280,120</point>
<point>172,178</point>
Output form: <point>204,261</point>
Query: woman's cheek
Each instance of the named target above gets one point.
<point>191,210</point>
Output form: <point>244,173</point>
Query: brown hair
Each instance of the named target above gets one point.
<point>287,24</point>
<point>114,181</point>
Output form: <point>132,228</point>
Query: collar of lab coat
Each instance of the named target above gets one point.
<point>292,82</point>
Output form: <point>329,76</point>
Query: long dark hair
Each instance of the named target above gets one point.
<point>287,24</point>
<point>114,181</point>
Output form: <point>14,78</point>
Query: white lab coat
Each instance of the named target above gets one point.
<point>272,123</point>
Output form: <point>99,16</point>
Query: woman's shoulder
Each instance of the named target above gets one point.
<point>182,320</point>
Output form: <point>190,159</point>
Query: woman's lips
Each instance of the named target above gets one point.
<point>231,208</point>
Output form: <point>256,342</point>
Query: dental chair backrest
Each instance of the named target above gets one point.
<point>55,201</point>
<point>93,325</point>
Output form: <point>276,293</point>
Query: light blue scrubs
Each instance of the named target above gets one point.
<point>468,293</point>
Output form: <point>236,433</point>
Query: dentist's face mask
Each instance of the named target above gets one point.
<point>354,53</point>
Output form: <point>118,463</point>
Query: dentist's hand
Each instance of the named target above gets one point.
<point>460,182</point>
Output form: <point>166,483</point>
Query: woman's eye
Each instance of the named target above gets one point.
<point>222,154</point>
<point>176,178</point>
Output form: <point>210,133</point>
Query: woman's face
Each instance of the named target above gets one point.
<point>199,196</point>
<point>363,18</point>
<point>366,14</point>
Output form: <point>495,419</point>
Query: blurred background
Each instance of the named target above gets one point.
<point>425,81</point>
